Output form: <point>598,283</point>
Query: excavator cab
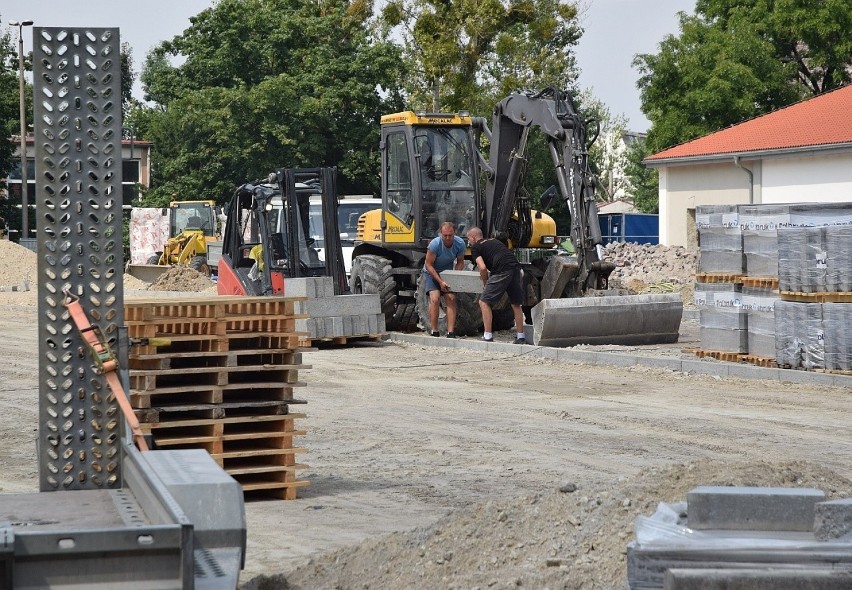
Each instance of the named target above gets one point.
<point>431,175</point>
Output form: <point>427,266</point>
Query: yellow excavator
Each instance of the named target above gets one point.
<point>432,172</point>
<point>192,227</point>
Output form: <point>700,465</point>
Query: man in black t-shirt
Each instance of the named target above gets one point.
<point>506,276</point>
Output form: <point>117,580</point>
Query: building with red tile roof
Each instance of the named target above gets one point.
<point>801,153</point>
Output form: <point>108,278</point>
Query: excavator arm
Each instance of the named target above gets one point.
<point>507,211</point>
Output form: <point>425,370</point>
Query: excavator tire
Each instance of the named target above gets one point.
<point>468,315</point>
<point>199,263</point>
<point>372,275</point>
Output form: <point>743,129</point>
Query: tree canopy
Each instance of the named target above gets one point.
<point>468,54</point>
<point>737,59</point>
<point>267,84</point>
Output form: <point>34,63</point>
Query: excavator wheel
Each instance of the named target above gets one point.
<point>372,274</point>
<point>199,263</point>
<point>468,315</point>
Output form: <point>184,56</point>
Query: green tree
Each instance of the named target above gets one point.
<point>737,59</point>
<point>468,54</point>
<point>644,181</point>
<point>267,84</point>
<point>10,121</point>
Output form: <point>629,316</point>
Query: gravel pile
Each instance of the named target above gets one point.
<point>19,264</point>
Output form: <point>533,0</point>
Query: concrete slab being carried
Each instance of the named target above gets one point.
<point>627,320</point>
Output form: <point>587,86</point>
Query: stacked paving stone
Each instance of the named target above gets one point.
<point>218,374</point>
<point>330,317</point>
<point>789,252</point>
<point>744,537</point>
<point>718,293</point>
<point>723,323</point>
<point>811,323</point>
<point>720,239</point>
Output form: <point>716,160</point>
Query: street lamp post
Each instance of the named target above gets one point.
<point>25,227</point>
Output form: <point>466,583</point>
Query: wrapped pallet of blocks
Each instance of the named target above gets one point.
<point>799,336</point>
<point>759,305</point>
<point>720,239</point>
<point>836,321</point>
<point>723,322</point>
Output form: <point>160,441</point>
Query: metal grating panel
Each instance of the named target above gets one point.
<point>77,104</point>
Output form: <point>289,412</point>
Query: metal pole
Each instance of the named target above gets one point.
<point>25,221</point>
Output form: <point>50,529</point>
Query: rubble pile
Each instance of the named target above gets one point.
<point>651,263</point>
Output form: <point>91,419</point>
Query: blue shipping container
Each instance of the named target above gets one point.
<point>641,228</point>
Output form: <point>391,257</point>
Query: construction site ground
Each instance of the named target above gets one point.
<point>437,463</point>
<point>440,464</point>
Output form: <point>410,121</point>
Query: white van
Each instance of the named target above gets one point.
<point>349,211</point>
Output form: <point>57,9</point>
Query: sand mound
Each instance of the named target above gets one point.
<point>182,278</point>
<point>19,264</point>
<point>558,539</point>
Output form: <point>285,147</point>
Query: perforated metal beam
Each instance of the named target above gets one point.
<point>77,107</point>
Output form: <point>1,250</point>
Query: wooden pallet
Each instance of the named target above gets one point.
<point>761,361</point>
<point>720,355</point>
<point>834,371</point>
<point>827,297</point>
<point>718,277</point>
<point>760,282</point>
<point>219,375</point>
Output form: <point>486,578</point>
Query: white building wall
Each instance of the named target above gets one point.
<point>822,179</point>
<point>682,188</point>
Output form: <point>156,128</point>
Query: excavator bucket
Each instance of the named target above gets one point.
<point>628,320</point>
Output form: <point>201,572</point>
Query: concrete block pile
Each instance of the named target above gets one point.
<point>756,256</point>
<point>333,316</point>
<point>723,323</point>
<point>720,239</point>
<point>815,277</point>
<point>744,537</point>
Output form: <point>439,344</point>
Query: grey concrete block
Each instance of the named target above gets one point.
<point>342,305</point>
<point>463,281</point>
<point>752,508</point>
<point>310,287</point>
<point>706,367</point>
<point>752,372</point>
<point>673,364</point>
<point>756,579</point>
<point>833,520</point>
<point>572,355</point>
<point>795,376</point>
<point>628,320</point>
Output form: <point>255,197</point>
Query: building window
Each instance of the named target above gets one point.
<point>130,181</point>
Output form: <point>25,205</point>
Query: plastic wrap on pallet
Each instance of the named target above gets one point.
<point>799,337</point>
<point>723,324</point>
<point>759,225</point>
<point>836,321</point>
<point>664,542</point>
<point>759,305</point>
<point>838,259</point>
<point>719,239</point>
<point>802,259</point>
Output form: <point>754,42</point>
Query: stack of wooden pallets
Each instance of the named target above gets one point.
<point>218,374</point>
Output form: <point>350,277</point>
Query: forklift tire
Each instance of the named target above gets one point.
<point>371,275</point>
<point>468,314</point>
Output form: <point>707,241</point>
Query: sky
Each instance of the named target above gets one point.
<point>615,31</point>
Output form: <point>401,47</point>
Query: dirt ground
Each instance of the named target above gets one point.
<point>431,468</point>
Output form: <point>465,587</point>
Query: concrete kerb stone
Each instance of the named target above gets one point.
<point>770,578</point>
<point>833,520</point>
<point>752,508</point>
<point>588,357</point>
